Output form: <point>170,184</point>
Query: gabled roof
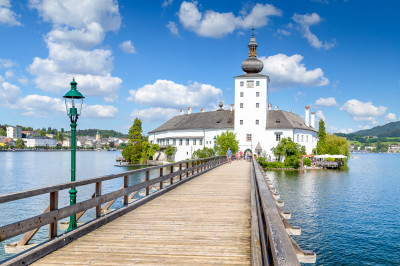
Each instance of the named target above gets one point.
<point>219,119</point>
<point>280,119</point>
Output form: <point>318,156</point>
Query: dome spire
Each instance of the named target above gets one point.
<point>252,65</point>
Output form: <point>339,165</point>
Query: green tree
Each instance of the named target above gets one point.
<point>122,145</point>
<point>381,147</point>
<point>203,153</point>
<point>321,145</point>
<point>2,132</point>
<point>19,144</point>
<point>169,151</point>
<point>42,133</point>
<point>226,140</point>
<point>336,145</point>
<point>151,149</point>
<point>135,132</point>
<point>287,148</point>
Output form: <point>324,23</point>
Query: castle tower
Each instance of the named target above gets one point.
<point>251,100</point>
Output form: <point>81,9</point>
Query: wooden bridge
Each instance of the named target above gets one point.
<point>202,212</point>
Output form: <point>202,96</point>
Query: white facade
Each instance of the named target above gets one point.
<point>40,142</point>
<point>14,132</point>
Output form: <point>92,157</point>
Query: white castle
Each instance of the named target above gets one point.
<point>258,128</point>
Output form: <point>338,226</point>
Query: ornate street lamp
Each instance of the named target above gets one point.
<point>70,98</point>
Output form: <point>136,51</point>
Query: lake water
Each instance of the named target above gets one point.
<point>348,217</point>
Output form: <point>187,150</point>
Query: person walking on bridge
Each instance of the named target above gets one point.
<point>229,155</point>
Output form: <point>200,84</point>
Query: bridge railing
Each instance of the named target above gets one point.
<point>53,214</point>
<point>270,240</point>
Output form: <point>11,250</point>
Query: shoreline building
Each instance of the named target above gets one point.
<point>258,128</point>
<point>14,132</point>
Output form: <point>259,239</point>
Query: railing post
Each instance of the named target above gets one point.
<point>172,178</point>
<point>187,167</point>
<point>192,168</point>
<point>126,184</point>
<point>97,212</point>
<point>53,206</point>
<point>161,174</point>
<point>147,179</point>
<point>180,169</point>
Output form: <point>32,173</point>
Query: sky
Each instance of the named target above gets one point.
<point>150,59</point>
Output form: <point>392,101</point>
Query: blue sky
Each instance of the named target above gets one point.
<point>150,59</point>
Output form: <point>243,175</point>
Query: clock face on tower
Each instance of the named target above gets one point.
<point>250,84</point>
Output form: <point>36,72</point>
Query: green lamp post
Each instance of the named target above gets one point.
<point>215,145</point>
<point>73,114</point>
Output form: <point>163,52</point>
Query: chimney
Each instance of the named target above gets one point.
<point>276,107</point>
<point>269,106</point>
<point>232,107</point>
<point>313,119</point>
<point>202,110</point>
<point>189,110</point>
<point>182,113</point>
<point>307,116</point>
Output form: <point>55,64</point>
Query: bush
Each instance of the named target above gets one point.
<point>265,164</point>
<point>292,162</point>
<point>330,159</point>
<point>307,161</point>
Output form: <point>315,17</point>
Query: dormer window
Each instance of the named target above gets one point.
<point>278,121</point>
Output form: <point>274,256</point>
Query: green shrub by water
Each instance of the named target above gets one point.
<point>307,161</point>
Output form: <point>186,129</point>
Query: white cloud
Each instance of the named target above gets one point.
<point>390,117</point>
<point>38,105</point>
<point>8,92</point>
<point>363,111</point>
<point>216,25</point>
<point>168,94</point>
<point>6,63</point>
<point>288,71</point>
<point>166,3</point>
<point>75,31</point>
<point>99,111</point>
<point>307,20</point>
<point>173,28</point>
<point>319,114</point>
<point>127,47</point>
<point>346,131</point>
<point>155,114</point>
<point>283,32</point>
<point>9,74</point>
<point>330,101</point>
<point>6,15</point>
<point>363,127</point>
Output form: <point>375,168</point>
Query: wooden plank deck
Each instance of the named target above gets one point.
<point>204,221</point>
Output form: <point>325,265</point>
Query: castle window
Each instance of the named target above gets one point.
<point>167,141</point>
<point>250,84</point>
<point>302,138</point>
<point>257,83</point>
<point>298,137</point>
<point>248,137</point>
<point>241,84</point>
<point>257,105</point>
<point>194,142</point>
<point>241,122</point>
<point>241,105</point>
<point>278,137</point>
<point>187,141</point>
<point>200,142</point>
<point>180,142</point>
<point>257,122</point>
<point>174,142</point>
<point>257,94</point>
<point>307,138</point>
<point>241,94</point>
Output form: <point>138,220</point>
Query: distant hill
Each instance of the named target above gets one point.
<point>391,129</point>
<point>103,133</point>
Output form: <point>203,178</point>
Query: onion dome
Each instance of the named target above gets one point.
<point>252,64</point>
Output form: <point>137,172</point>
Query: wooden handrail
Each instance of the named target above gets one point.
<point>55,214</point>
<point>276,247</point>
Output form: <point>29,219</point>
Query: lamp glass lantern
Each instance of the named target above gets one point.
<point>70,104</point>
